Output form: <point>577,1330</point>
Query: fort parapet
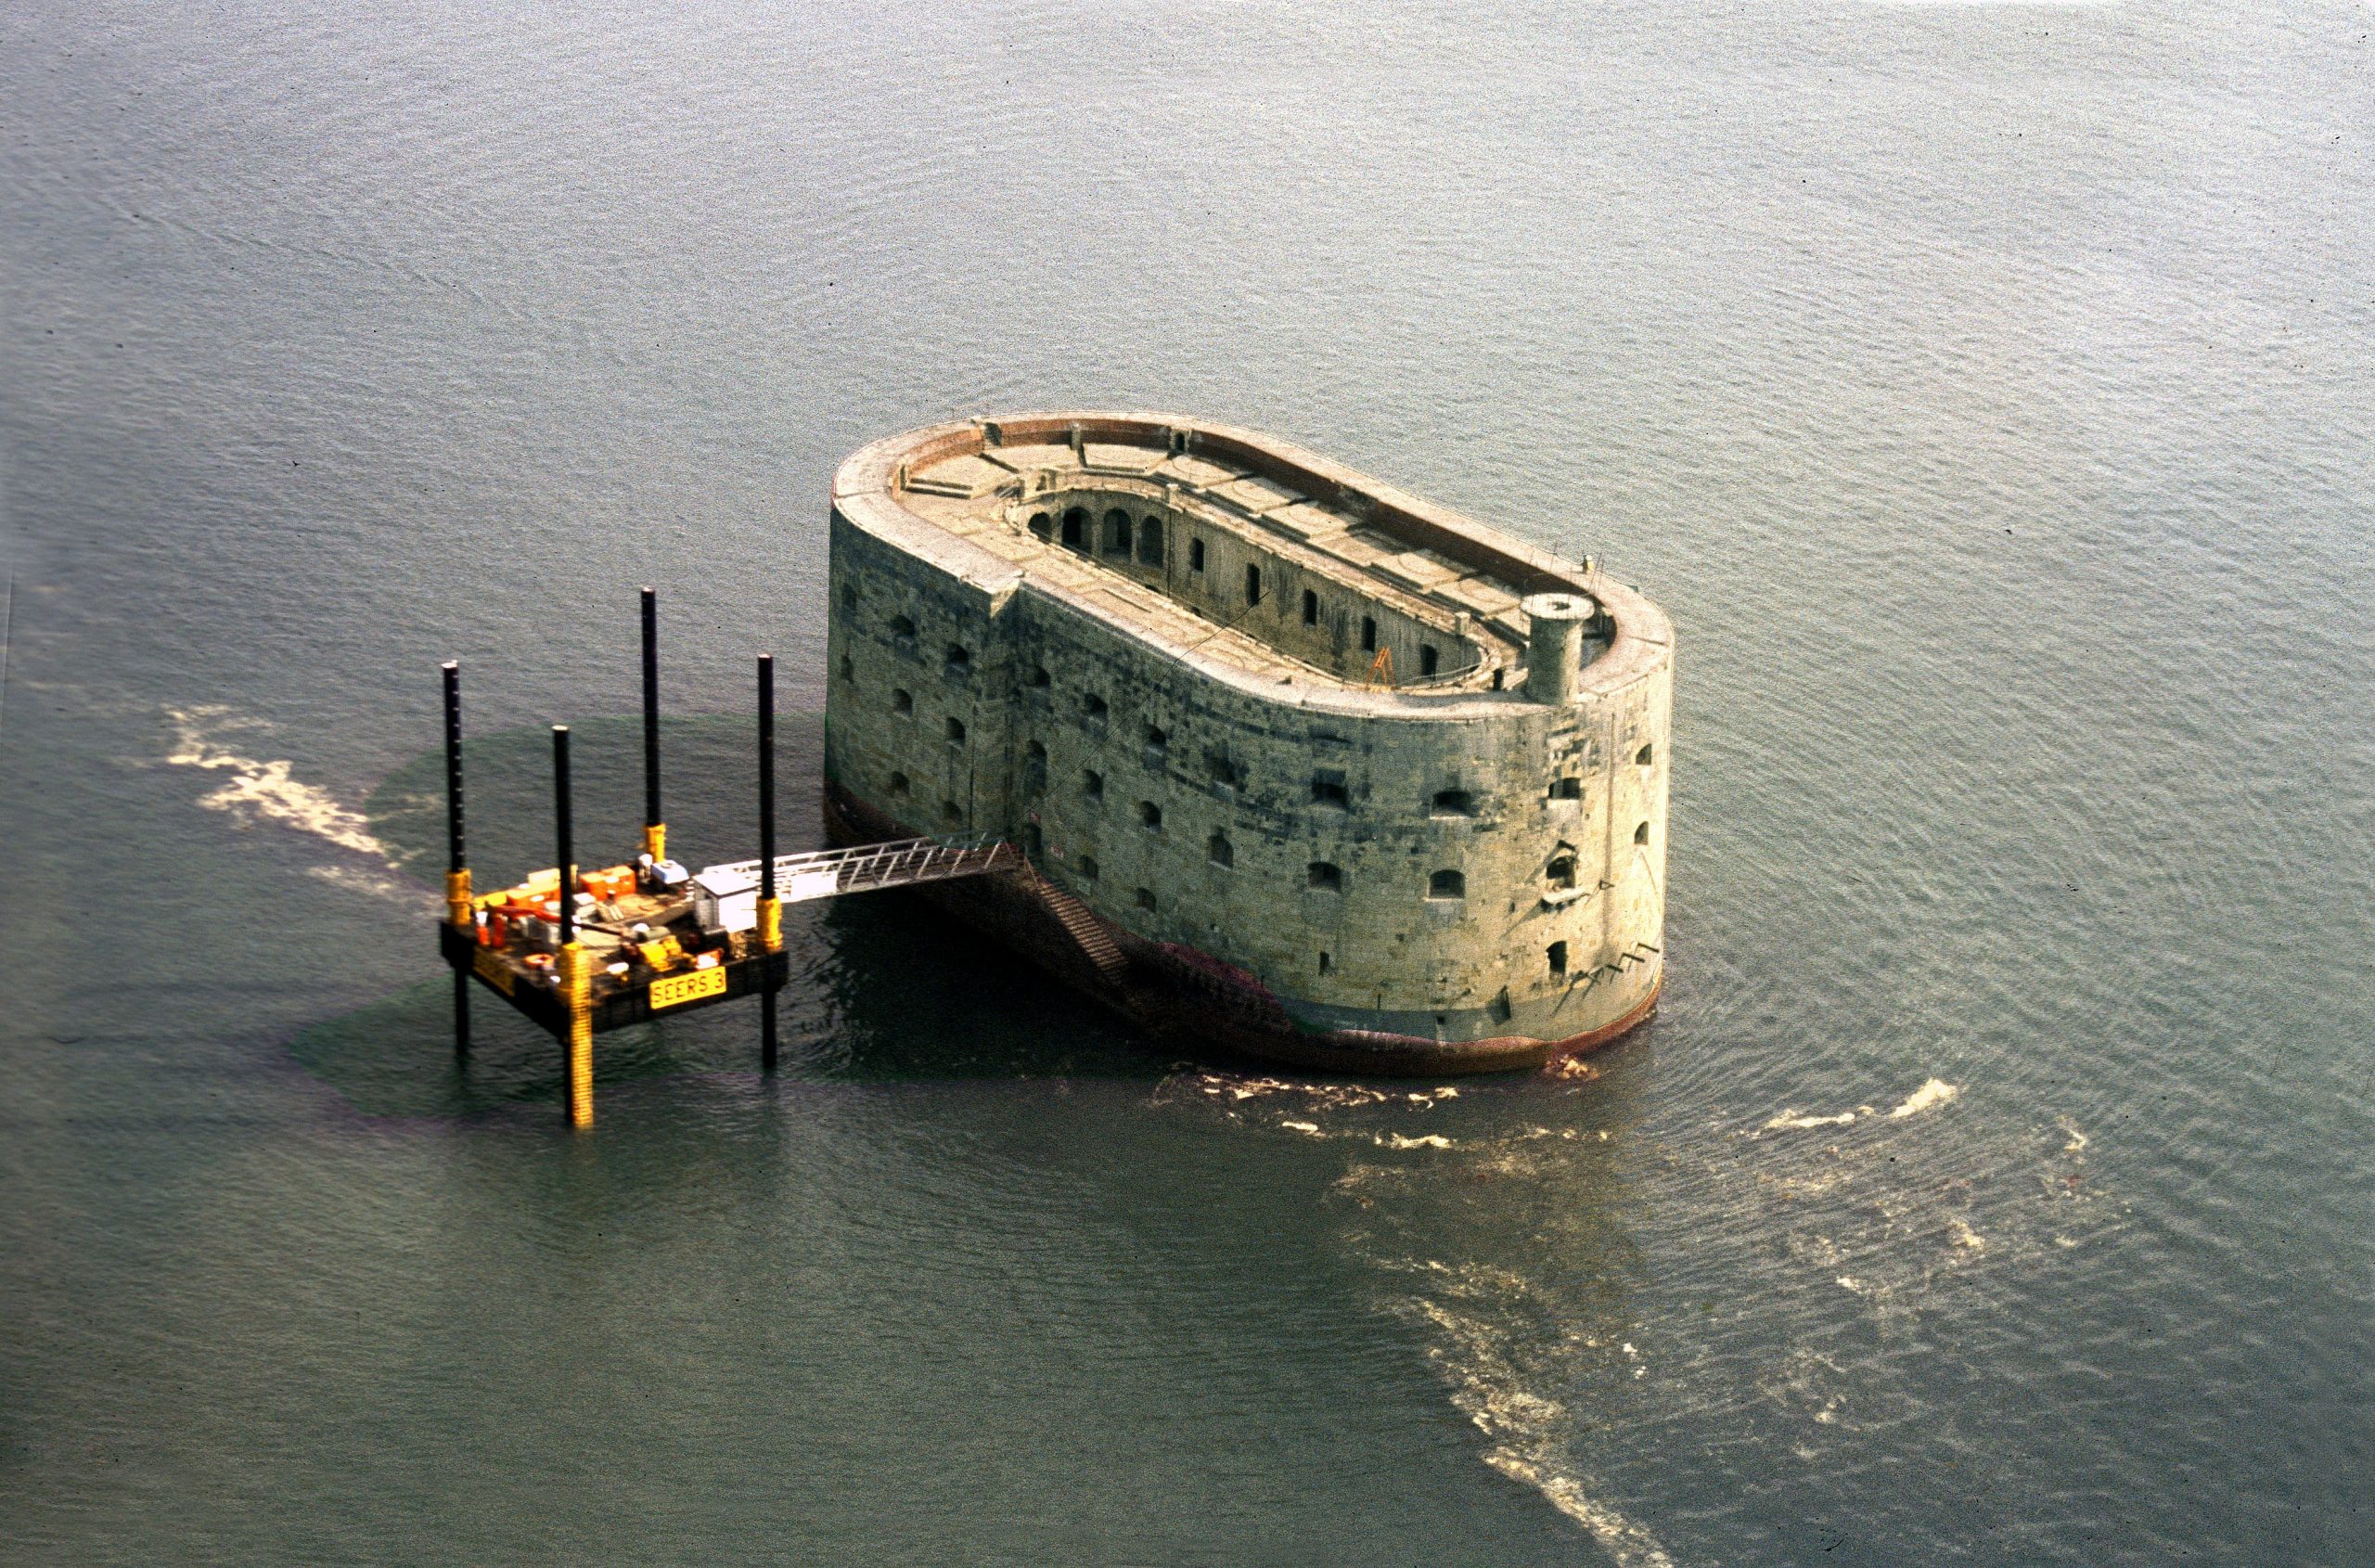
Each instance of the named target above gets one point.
<point>1301,766</point>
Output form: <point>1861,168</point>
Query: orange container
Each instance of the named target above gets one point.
<point>609,883</point>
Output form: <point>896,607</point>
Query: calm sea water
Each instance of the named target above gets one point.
<point>1985,389</point>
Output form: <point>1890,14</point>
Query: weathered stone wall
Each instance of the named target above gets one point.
<point>1257,772</point>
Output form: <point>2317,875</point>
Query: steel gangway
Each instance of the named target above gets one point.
<point>829,873</point>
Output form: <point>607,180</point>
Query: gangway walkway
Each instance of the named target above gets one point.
<point>828,873</point>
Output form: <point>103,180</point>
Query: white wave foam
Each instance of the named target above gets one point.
<point>1625,1541</point>
<point>264,790</point>
<point>408,894</point>
<point>1929,1096</point>
<point>1790,1120</point>
<point>1488,1387</point>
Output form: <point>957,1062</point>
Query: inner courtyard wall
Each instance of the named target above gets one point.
<point>1202,563</point>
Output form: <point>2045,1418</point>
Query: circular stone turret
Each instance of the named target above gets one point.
<point>1555,643</point>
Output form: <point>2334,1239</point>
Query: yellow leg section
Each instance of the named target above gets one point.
<point>457,898</point>
<point>655,839</point>
<point>771,924</point>
<point>576,990</point>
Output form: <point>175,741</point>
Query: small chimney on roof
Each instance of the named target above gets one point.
<point>1555,643</point>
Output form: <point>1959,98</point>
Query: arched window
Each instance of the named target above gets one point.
<point>1075,526</point>
<point>898,783</point>
<point>903,626</point>
<point>1560,873</point>
<point>1641,834</point>
<point>960,659</point>
<point>1146,898</point>
<point>1093,708</point>
<point>1117,533</point>
<point>1035,843</point>
<point>1087,866</point>
<point>1645,755</point>
<point>1447,884</point>
<point>902,701</point>
<point>1034,767</point>
<point>1149,541</point>
<point>1150,816</point>
<point>1092,784</point>
<point>1429,659</point>
<point>949,813</point>
<point>1042,525</point>
<point>1039,677</point>
<point>956,731</point>
<point>1557,956</point>
<point>1218,850</point>
<point>1325,876</point>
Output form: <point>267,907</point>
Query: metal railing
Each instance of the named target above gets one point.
<point>829,873</point>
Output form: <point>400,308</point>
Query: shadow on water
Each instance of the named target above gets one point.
<point>883,987</point>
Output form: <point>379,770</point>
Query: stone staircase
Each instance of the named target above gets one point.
<point>1097,943</point>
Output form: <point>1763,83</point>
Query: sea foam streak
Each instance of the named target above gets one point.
<point>1868,1220</point>
<point>1934,1093</point>
<point>1791,1122</point>
<point>264,790</point>
<point>1479,1357</point>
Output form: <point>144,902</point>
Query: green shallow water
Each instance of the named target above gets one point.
<point>1983,388</point>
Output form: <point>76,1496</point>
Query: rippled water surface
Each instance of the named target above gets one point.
<point>1985,389</point>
